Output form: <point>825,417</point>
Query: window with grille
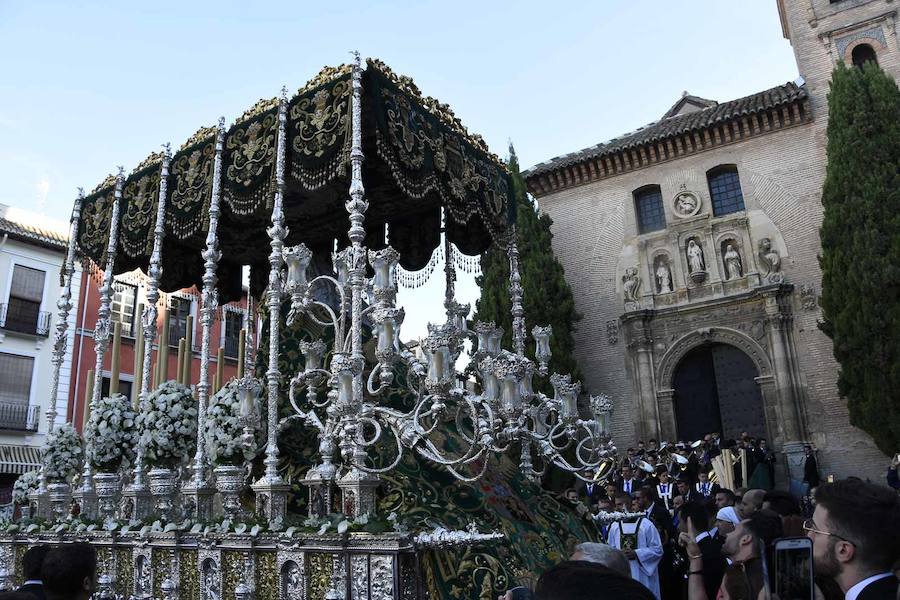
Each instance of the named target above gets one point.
<point>25,294</point>
<point>648,206</point>
<point>234,322</point>
<point>179,310</point>
<point>725,190</point>
<point>124,302</point>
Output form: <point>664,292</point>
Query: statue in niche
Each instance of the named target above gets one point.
<point>733,269</point>
<point>630,284</point>
<point>318,502</point>
<point>771,259</point>
<point>349,503</point>
<point>293,580</point>
<point>695,257</point>
<point>663,277</point>
<point>211,582</point>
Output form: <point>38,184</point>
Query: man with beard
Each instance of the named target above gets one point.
<point>855,532</point>
<point>746,547</point>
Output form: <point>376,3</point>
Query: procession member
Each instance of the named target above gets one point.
<point>855,538</point>
<point>603,554</point>
<point>591,490</point>
<point>665,489</point>
<point>583,580</point>
<point>628,484</point>
<point>683,486</point>
<point>69,572</point>
<point>695,518</point>
<point>704,487</point>
<point>662,519</point>
<point>639,541</point>
<point>810,470</point>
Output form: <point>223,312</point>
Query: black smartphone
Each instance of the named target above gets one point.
<point>794,569</point>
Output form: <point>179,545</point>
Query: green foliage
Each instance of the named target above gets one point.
<point>861,247</point>
<point>547,297</point>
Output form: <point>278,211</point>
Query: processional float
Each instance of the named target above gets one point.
<point>270,193</point>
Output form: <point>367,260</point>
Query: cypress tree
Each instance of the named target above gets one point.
<point>547,298</point>
<point>861,247</point>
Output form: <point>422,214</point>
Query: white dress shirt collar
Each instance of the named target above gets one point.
<point>857,589</point>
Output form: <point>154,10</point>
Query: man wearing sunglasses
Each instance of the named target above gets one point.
<point>855,532</point>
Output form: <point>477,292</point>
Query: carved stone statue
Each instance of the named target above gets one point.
<point>695,257</point>
<point>663,277</point>
<point>732,263</point>
<point>211,583</point>
<point>686,204</point>
<point>630,284</point>
<point>771,260</point>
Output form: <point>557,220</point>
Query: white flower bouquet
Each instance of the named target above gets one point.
<point>112,433</point>
<point>225,427</point>
<point>24,485</point>
<point>62,454</point>
<point>167,424</point>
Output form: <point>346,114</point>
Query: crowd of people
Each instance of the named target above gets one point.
<point>66,572</point>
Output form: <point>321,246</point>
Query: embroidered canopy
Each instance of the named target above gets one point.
<point>418,158</point>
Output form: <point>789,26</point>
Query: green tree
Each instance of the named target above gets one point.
<point>547,298</point>
<point>861,247</point>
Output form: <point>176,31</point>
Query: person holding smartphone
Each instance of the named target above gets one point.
<point>855,531</point>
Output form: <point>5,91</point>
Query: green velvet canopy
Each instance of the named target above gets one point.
<point>418,158</point>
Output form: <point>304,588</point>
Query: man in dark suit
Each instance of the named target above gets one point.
<point>810,469</point>
<point>854,534</point>
<point>710,547</point>
<point>591,491</point>
<point>628,483</point>
<point>31,570</point>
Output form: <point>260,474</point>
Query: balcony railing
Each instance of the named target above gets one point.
<point>24,317</point>
<point>19,417</point>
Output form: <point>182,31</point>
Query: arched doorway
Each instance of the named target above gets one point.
<point>716,390</point>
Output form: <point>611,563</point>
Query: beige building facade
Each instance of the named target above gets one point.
<point>691,247</point>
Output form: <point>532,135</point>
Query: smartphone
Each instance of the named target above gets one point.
<point>794,569</point>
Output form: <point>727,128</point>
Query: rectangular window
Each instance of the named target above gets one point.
<point>179,310</point>
<point>124,387</point>
<point>234,322</point>
<point>725,191</point>
<point>124,302</point>
<point>25,294</point>
<point>649,209</point>
<point>15,393</point>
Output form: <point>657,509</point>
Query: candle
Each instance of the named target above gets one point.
<point>115,359</point>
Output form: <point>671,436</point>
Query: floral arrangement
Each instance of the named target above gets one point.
<point>62,455</point>
<point>24,485</point>
<point>112,434</point>
<point>167,424</point>
<point>224,427</point>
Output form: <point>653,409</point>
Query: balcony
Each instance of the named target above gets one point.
<point>19,417</point>
<point>24,317</point>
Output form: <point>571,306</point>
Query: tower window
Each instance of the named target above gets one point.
<point>649,209</point>
<point>725,190</point>
<point>862,54</point>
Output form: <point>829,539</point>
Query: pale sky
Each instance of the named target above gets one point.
<point>87,86</point>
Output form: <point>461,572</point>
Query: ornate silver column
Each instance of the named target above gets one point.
<point>271,489</point>
<point>85,494</point>
<point>357,486</point>
<point>199,491</point>
<point>138,502</point>
<point>515,295</point>
<point>61,341</point>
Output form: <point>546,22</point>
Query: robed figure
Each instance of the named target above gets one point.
<point>640,542</point>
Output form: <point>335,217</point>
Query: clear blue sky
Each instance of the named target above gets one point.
<point>87,86</point>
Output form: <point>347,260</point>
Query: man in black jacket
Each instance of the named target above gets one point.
<point>710,547</point>
<point>854,534</point>
<point>31,569</point>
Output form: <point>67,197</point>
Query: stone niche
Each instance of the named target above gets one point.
<point>699,257</point>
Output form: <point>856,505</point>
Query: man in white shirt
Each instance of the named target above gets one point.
<point>855,538</point>
<point>639,541</point>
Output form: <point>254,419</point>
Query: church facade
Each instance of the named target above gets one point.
<point>691,248</point>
